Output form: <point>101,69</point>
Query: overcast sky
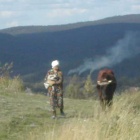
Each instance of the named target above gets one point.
<point>56,12</point>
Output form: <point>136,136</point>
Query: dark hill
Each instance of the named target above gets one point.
<point>33,48</point>
<point>134,18</point>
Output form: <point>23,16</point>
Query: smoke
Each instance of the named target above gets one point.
<point>125,48</point>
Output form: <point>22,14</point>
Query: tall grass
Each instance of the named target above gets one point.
<point>121,122</point>
<point>13,85</point>
<point>27,117</point>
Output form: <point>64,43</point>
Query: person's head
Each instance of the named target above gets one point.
<point>55,64</point>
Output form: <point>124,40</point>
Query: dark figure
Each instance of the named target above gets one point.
<point>106,85</point>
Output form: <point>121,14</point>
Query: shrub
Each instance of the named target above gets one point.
<point>7,83</point>
<point>11,84</point>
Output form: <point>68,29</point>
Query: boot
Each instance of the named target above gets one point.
<point>54,114</point>
<point>62,112</point>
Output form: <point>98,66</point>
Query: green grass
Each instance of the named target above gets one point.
<point>27,117</point>
<point>22,113</point>
<point>86,121</point>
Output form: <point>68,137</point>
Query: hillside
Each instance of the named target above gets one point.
<point>27,116</point>
<point>114,39</point>
<point>54,28</point>
<point>23,112</point>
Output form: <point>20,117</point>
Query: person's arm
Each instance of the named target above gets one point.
<point>60,75</point>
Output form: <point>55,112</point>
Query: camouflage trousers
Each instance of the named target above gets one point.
<point>56,98</point>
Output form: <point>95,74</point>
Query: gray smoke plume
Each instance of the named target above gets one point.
<point>125,48</point>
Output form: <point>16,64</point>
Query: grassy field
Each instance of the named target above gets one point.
<point>27,117</point>
<point>24,115</point>
<point>88,122</point>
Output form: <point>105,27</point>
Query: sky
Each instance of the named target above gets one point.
<point>57,12</point>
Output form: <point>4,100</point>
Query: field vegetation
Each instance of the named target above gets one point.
<point>26,116</point>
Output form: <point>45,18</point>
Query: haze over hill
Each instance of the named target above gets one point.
<point>111,42</point>
<point>134,18</point>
